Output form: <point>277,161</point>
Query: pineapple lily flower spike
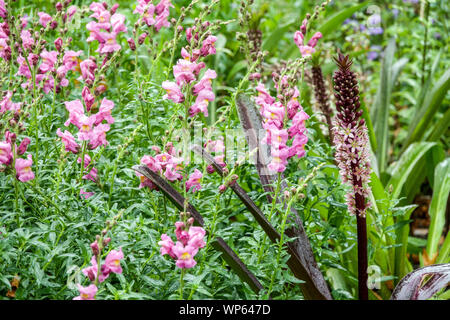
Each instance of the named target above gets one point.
<point>352,156</point>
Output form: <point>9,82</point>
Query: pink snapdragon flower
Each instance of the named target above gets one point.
<point>27,39</point>
<point>98,136</point>
<point>92,271</point>
<point>86,293</point>
<point>23,169</point>
<point>3,11</point>
<point>104,112</point>
<point>5,49</point>
<point>184,72</point>
<point>166,244</point>
<point>86,194</point>
<point>44,18</point>
<point>112,261</point>
<point>201,102</point>
<point>306,50</point>
<point>70,59</point>
<point>5,153</point>
<point>173,92</point>
<point>68,140</point>
<point>7,105</point>
<point>185,255</point>
<point>88,98</point>
<point>88,68</point>
<point>189,240</point>
<point>48,61</point>
<point>194,181</point>
<point>208,46</point>
<point>205,82</point>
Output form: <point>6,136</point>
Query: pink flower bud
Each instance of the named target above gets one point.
<point>95,248</point>
<point>59,6</point>
<point>23,146</point>
<point>210,169</point>
<point>255,76</point>
<point>141,38</point>
<point>156,149</point>
<point>106,241</point>
<point>114,8</point>
<point>222,188</point>
<point>58,44</point>
<point>131,44</point>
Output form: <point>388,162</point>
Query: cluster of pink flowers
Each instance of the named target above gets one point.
<point>91,127</point>
<point>218,148</point>
<point>47,68</point>
<point>277,131</point>
<point>5,49</point>
<point>8,105</point>
<point>186,73</point>
<point>169,165</point>
<point>111,265</point>
<point>299,39</point>
<point>189,240</point>
<point>8,158</point>
<point>108,25</point>
<point>147,10</point>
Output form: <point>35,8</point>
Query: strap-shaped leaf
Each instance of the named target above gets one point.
<point>295,263</point>
<point>218,244</point>
<point>423,283</point>
<point>252,125</point>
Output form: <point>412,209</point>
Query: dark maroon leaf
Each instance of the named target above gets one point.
<point>423,283</point>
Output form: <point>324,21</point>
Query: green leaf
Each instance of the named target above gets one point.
<point>403,168</point>
<point>236,68</point>
<point>444,253</point>
<point>441,190</point>
<point>401,266</point>
<point>440,128</point>
<point>370,130</point>
<point>380,113</point>
<point>424,117</point>
<point>275,37</point>
<point>336,20</point>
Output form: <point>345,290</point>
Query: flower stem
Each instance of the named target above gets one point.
<point>183,271</point>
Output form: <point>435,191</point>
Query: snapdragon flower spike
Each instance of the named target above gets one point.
<point>351,139</point>
<point>166,164</point>
<point>278,131</point>
<point>147,11</point>
<point>106,28</point>
<point>91,127</point>
<point>186,72</point>
<point>306,49</point>
<point>189,240</point>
